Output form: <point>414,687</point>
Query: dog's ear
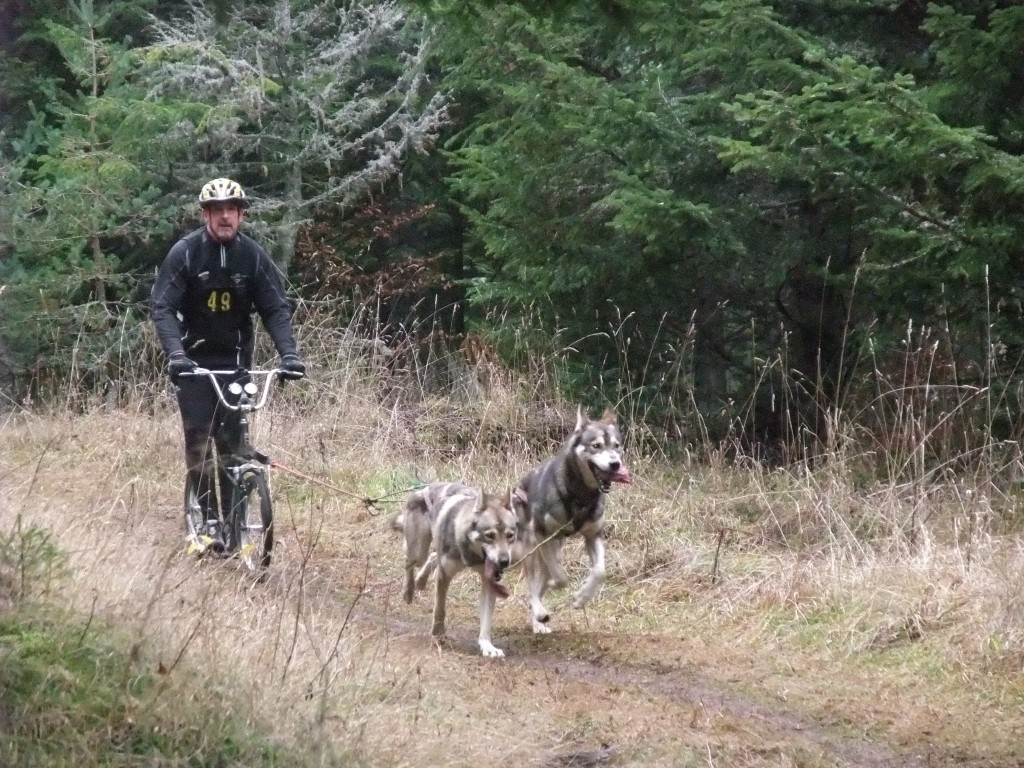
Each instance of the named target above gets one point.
<point>484,500</point>
<point>520,505</point>
<point>609,416</point>
<point>579,418</point>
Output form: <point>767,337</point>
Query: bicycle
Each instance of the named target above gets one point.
<point>248,530</point>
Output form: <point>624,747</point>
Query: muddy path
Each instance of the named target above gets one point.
<point>628,699</point>
<point>580,696</point>
<point>595,692</point>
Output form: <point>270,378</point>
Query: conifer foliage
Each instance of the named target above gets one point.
<point>699,198</point>
<point>309,104</point>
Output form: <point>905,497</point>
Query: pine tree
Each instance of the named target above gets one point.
<point>306,103</point>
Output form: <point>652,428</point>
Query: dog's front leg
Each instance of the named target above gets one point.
<point>537,581</point>
<point>555,574</point>
<point>487,600</point>
<point>595,548</point>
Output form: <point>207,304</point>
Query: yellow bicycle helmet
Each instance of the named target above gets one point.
<point>222,190</point>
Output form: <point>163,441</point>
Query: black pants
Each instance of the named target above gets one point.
<point>207,423</point>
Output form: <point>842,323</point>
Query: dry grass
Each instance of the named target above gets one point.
<point>752,617</point>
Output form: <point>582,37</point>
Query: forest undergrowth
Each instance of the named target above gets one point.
<point>832,612</point>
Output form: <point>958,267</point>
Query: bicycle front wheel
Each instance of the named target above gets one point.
<point>195,518</point>
<point>252,521</point>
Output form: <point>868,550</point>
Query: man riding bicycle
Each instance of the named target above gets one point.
<point>208,287</point>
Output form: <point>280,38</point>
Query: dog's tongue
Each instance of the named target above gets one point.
<point>622,475</point>
<point>491,574</point>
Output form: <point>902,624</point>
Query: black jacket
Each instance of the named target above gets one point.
<point>205,295</point>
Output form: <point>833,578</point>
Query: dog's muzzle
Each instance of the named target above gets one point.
<point>615,473</point>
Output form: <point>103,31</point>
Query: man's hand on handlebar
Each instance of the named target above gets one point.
<point>179,363</point>
<point>292,367</point>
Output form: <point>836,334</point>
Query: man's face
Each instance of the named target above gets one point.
<point>223,219</point>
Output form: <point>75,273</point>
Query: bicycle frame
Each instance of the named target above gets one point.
<point>246,404</point>
<point>246,471</point>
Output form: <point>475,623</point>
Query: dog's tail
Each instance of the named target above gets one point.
<point>417,500</point>
<point>398,521</point>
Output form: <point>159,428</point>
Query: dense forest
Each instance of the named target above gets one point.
<point>741,219</point>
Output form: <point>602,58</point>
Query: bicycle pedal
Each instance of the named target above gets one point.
<point>201,544</point>
<point>216,546</point>
<point>197,545</point>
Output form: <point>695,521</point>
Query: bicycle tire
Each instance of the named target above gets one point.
<point>195,518</point>
<point>252,521</point>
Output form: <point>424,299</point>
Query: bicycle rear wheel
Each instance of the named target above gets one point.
<point>252,521</point>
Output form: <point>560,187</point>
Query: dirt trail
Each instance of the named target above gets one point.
<point>643,699</point>
<point>587,698</point>
<point>589,694</point>
<point>704,711</point>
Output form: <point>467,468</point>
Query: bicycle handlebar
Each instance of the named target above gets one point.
<point>253,405</point>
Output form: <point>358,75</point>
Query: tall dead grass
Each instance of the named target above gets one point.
<point>847,557</point>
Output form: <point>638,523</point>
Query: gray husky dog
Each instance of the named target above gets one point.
<point>467,528</point>
<point>565,495</point>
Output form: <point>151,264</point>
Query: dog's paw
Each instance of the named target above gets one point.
<point>584,596</point>
<point>539,613</point>
<point>557,577</point>
<point>490,651</point>
<point>540,622</point>
<point>588,589</point>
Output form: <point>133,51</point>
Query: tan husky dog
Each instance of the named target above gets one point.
<point>467,528</point>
